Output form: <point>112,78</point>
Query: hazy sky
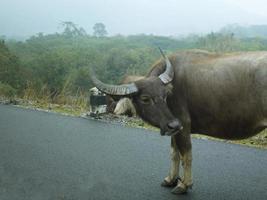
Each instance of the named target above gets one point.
<point>165,17</point>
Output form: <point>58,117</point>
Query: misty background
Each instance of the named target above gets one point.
<point>21,19</point>
<point>47,47</point>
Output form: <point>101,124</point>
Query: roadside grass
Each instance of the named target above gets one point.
<point>61,102</point>
<point>257,140</point>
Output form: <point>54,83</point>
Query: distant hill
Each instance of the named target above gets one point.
<point>246,31</point>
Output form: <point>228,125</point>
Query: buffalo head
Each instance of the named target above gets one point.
<point>149,96</point>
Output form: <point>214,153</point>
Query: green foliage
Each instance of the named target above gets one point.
<point>253,44</point>
<point>51,69</point>
<point>7,91</point>
<point>219,42</point>
<point>10,71</point>
<point>246,31</point>
<point>62,63</point>
<point>58,64</point>
<point>121,61</point>
<point>71,29</point>
<point>100,30</point>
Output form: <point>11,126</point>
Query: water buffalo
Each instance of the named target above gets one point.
<point>125,107</point>
<point>219,95</point>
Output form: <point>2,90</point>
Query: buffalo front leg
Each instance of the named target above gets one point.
<point>185,150</point>
<point>172,179</point>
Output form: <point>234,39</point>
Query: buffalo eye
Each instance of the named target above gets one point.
<point>145,99</point>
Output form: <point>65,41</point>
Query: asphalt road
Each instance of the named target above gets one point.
<point>50,156</point>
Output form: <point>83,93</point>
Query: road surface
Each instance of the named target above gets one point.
<point>46,156</point>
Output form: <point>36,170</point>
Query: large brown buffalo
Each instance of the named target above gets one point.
<point>220,95</point>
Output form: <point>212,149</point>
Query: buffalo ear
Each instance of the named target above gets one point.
<point>167,76</point>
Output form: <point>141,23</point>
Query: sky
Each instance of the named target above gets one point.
<point>126,17</point>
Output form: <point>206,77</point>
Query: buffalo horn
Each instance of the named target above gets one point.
<point>167,75</point>
<point>121,90</point>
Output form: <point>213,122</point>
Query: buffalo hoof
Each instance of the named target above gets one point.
<point>170,184</point>
<point>181,188</point>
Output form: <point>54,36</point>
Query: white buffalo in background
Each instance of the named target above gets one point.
<point>124,106</point>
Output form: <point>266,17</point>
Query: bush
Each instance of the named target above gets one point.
<point>7,91</point>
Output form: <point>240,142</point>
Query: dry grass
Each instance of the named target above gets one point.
<point>257,140</point>
<point>61,102</point>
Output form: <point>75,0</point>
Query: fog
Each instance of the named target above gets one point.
<point>166,17</point>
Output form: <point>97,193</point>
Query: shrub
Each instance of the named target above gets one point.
<point>7,91</point>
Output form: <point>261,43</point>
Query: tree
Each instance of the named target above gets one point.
<point>100,30</point>
<point>219,42</point>
<point>10,70</point>
<point>71,29</point>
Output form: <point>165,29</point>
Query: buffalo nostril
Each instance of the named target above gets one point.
<point>174,125</point>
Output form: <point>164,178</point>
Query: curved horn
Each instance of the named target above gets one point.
<point>124,89</point>
<point>168,74</point>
